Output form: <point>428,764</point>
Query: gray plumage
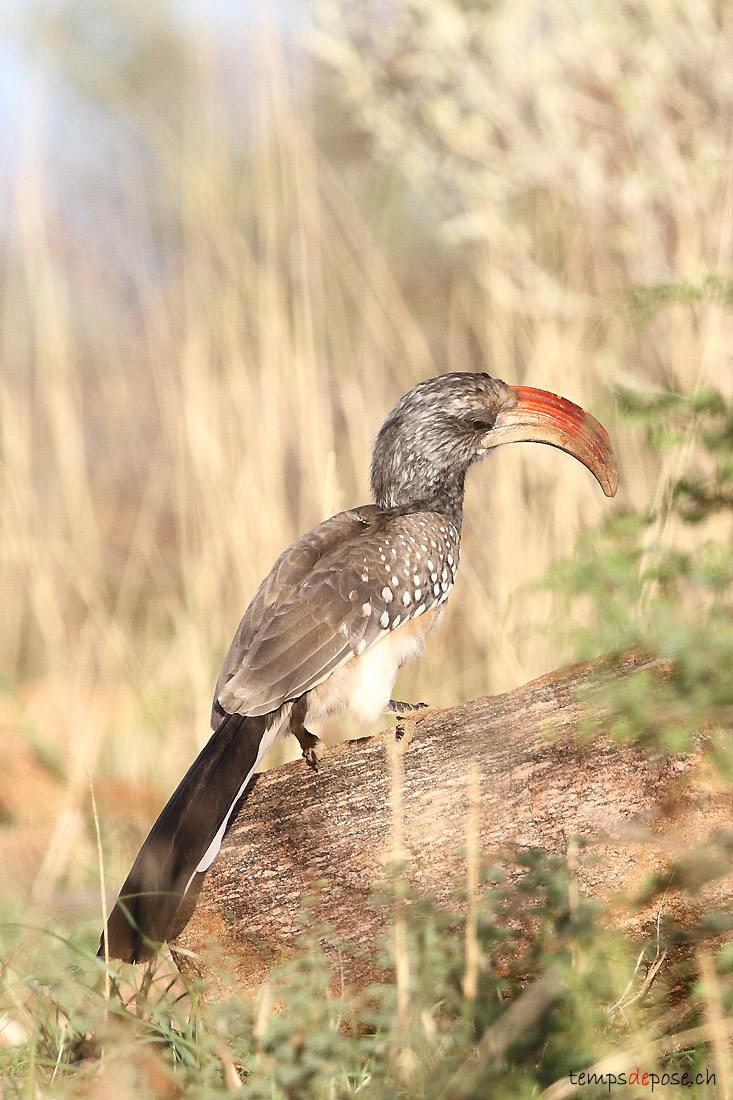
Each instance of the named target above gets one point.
<point>340,611</point>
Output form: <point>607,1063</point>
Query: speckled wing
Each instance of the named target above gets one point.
<point>290,570</point>
<point>331,596</point>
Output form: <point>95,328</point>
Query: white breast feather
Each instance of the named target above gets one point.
<point>364,684</point>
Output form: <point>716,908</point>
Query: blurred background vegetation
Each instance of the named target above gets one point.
<point>232,238</point>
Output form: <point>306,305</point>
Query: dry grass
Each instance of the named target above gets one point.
<point>165,435</point>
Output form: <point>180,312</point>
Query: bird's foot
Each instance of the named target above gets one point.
<point>308,742</point>
<point>405,711</point>
<point>400,708</point>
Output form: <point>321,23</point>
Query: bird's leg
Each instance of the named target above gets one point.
<point>306,739</point>
<point>404,711</point>
<point>308,742</point>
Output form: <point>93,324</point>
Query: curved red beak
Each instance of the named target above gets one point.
<point>541,417</point>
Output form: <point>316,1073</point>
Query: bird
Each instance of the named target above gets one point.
<point>339,613</point>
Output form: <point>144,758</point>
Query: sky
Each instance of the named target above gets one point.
<point>23,71</point>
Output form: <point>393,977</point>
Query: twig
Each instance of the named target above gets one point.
<point>470,977</point>
<point>716,1022</point>
<point>103,893</point>
<point>518,1018</point>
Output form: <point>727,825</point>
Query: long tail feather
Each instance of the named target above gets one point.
<point>187,835</point>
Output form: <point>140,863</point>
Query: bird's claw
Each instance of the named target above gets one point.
<point>405,711</point>
<point>311,759</point>
<point>308,742</point>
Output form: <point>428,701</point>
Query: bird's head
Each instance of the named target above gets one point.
<point>443,425</point>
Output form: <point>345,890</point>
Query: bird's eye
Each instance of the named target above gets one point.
<point>482,420</point>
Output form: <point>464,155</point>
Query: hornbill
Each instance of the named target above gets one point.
<point>339,613</point>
